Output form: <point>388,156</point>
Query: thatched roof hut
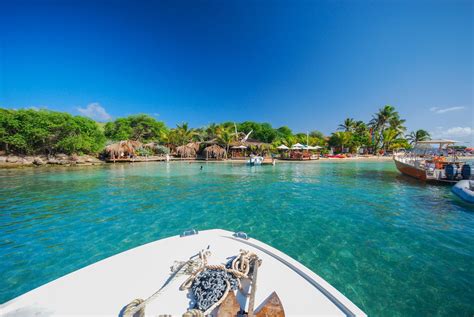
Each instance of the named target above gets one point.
<point>214,151</point>
<point>122,149</point>
<point>194,145</point>
<point>186,151</point>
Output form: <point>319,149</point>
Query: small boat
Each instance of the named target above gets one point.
<point>433,164</point>
<point>213,270</point>
<point>255,160</point>
<point>465,190</point>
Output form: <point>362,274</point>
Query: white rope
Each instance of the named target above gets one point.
<point>188,267</point>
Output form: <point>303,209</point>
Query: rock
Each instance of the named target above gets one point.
<point>91,159</point>
<point>3,159</point>
<point>29,159</point>
<point>80,160</point>
<point>61,156</point>
<point>38,161</point>
<point>25,161</point>
<point>12,159</point>
<point>53,160</point>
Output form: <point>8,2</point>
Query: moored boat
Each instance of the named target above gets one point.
<point>255,160</point>
<point>433,164</point>
<point>140,281</point>
<point>465,190</point>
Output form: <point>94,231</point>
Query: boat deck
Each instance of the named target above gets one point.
<point>105,287</point>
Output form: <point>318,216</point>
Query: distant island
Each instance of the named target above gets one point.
<point>41,136</point>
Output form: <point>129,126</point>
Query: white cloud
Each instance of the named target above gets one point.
<point>438,110</point>
<point>462,134</point>
<point>95,111</point>
<point>460,131</point>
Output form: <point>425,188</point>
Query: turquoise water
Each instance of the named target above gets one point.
<point>393,246</point>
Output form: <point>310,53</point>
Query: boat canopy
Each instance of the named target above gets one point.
<point>440,142</point>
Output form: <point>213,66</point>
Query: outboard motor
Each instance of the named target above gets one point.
<point>450,171</point>
<point>466,171</point>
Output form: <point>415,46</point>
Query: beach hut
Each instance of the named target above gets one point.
<point>194,145</point>
<point>185,151</point>
<point>238,148</point>
<point>238,151</point>
<point>214,152</point>
<point>123,150</point>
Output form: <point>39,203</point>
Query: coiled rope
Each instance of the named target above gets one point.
<point>209,284</point>
<point>136,308</point>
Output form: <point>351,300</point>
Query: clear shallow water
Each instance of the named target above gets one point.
<point>393,246</point>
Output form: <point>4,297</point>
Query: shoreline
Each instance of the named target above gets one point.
<point>12,162</point>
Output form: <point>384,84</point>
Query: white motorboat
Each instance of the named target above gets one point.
<point>106,288</point>
<point>433,164</point>
<point>465,190</point>
<point>255,160</point>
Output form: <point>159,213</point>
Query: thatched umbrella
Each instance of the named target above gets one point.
<point>194,146</point>
<point>214,151</point>
<point>122,148</point>
<point>186,151</point>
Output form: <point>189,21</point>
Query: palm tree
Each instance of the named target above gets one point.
<point>184,133</point>
<point>225,136</point>
<point>389,135</point>
<point>341,139</point>
<point>384,119</point>
<point>397,124</point>
<point>360,127</point>
<point>348,125</point>
<point>211,131</point>
<point>418,135</point>
<point>381,119</point>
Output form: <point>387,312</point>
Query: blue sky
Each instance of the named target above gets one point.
<point>304,64</point>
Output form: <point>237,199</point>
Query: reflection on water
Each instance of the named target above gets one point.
<point>393,245</point>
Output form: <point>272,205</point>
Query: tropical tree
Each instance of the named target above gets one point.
<point>260,131</point>
<point>386,118</point>
<point>340,139</point>
<point>211,131</point>
<point>141,127</point>
<point>389,135</point>
<point>225,137</point>
<point>184,134</point>
<point>28,131</point>
<point>348,125</point>
<point>417,136</point>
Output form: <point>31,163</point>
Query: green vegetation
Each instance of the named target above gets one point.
<point>139,127</point>
<point>49,132</point>
<point>416,136</point>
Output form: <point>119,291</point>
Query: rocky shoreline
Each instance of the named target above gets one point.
<point>41,160</point>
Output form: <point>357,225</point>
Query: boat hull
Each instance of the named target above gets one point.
<point>463,191</point>
<point>105,287</point>
<point>410,170</point>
